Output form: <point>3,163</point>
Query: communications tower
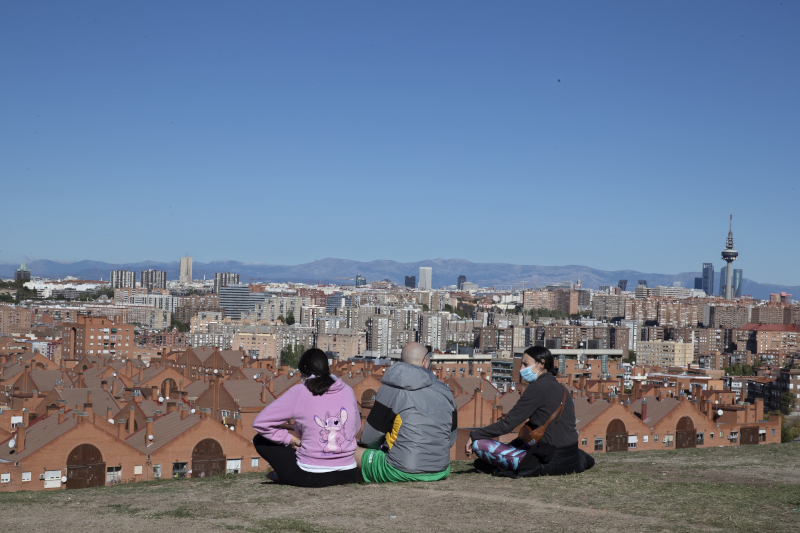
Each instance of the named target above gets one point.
<point>729,255</point>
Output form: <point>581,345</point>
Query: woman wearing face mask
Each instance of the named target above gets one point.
<point>544,402</point>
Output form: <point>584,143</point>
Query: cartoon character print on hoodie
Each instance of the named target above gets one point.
<point>332,433</point>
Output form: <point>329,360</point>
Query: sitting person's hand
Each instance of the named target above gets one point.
<point>295,442</point>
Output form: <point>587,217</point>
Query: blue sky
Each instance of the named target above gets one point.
<point>610,134</point>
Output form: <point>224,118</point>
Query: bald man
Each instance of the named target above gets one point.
<point>411,428</point>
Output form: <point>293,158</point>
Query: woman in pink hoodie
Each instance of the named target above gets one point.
<point>326,421</point>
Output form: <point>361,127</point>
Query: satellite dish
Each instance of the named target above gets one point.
<point>12,443</point>
<point>63,479</point>
<point>167,398</point>
<point>719,412</point>
<point>111,420</point>
<point>215,370</point>
<point>160,399</point>
<point>149,437</point>
<point>716,402</point>
<point>231,428</point>
<point>192,411</point>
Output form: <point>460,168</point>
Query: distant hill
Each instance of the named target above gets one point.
<point>445,272</point>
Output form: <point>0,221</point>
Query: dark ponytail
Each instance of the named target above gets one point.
<point>314,361</point>
<point>542,355</point>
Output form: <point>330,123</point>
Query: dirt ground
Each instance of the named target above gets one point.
<point>743,488</point>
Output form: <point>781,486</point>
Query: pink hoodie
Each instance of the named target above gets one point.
<point>326,425</point>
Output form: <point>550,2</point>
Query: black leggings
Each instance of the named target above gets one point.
<point>283,459</point>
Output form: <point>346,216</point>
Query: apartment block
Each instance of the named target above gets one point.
<point>153,279</point>
<point>123,278</point>
<point>664,353</point>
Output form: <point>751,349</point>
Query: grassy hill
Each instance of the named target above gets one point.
<point>744,488</point>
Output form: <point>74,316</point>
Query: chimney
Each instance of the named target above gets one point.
<point>109,413</point>
<point>494,414</point>
<point>204,412</point>
<point>141,373</point>
<point>205,377</point>
<point>104,385</point>
<point>237,422</point>
<point>121,434</point>
<point>130,420</point>
<point>264,394</point>
<point>172,406</point>
<point>20,437</point>
<point>88,396</point>
<point>476,398</point>
<point>149,433</point>
<point>115,388</point>
<point>61,415</point>
<point>644,409</point>
<point>154,396</point>
<point>184,413</point>
<point>89,409</point>
<point>269,385</point>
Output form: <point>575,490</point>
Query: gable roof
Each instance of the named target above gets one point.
<point>165,429</point>
<point>655,410</point>
<point>247,393</point>
<point>39,433</point>
<point>585,412</point>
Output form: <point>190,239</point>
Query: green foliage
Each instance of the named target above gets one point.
<point>108,292</point>
<point>787,402</point>
<point>7,298</point>
<point>739,370</point>
<point>448,308</point>
<point>631,357</point>
<point>183,327</point>
<point>543,312</point>
<point>290,355</point>
<point>290,318</point>
<point>425,308</point>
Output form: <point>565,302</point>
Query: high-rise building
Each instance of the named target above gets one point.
<point>22,273</point>
<point>153,279</point>
<point>737,282</point>
<point>698,283</point>
<point>236,299</point>
<point>708,278</point>
<point>623,284</point>
<point>337,301</point>
<point>411,282</point>
<point>722,273</point>
<point>425,276</point>
<point>729,255</point>
<point>223,279</point>
<point>186,270</point>
<point>123,278</point>
<point>642,283</point>
<point>361,281</point>
<point>462,279</point>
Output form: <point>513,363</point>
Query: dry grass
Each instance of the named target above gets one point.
<point>741,488</point>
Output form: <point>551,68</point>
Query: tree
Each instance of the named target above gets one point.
<point>631,357</point>
<point>787,402</point>
<point>290,318</point>
<point>290,355</point>
<point>425,308</point>
<point>183,327</point>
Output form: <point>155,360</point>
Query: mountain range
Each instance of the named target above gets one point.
<point>445,272</point>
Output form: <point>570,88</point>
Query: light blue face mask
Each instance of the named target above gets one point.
<point>527,373</point>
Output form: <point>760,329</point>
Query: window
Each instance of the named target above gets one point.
<point>711,434</point>
<point>645,438</point>
<point>179,470</point>
<point>234,466</point>
<point>49,475</point>
<point>224,413</point>
<point>157,471</point>
<point>773,432</point>
<point>655,438</point>
<point>583,442</point>
<point>26,476</point>
<point>254,462</point>
<point>700,439</point>
<point>137,470</point>
<point>113,474</point>
<point>5,478</point>
<point>668,441</point>
<point>598,444</point>
<point>722,434</point>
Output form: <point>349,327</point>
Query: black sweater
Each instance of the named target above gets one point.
<point>538,402</point>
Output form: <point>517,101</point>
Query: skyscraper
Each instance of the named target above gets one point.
<point>722,272</point>
<point>623,284</point>
<point>698,283</point>
<point>153,279</point>
<point>737,282</point>
<point>123,278</point>
<point>411,282</point>
<point>186,270</point>
<point>425,275</point>
<point>708,278</point>
<point>729,255</point>
<point>462,279</point>
<point>22,273</point>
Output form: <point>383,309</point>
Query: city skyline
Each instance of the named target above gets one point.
<point>365,102</point>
